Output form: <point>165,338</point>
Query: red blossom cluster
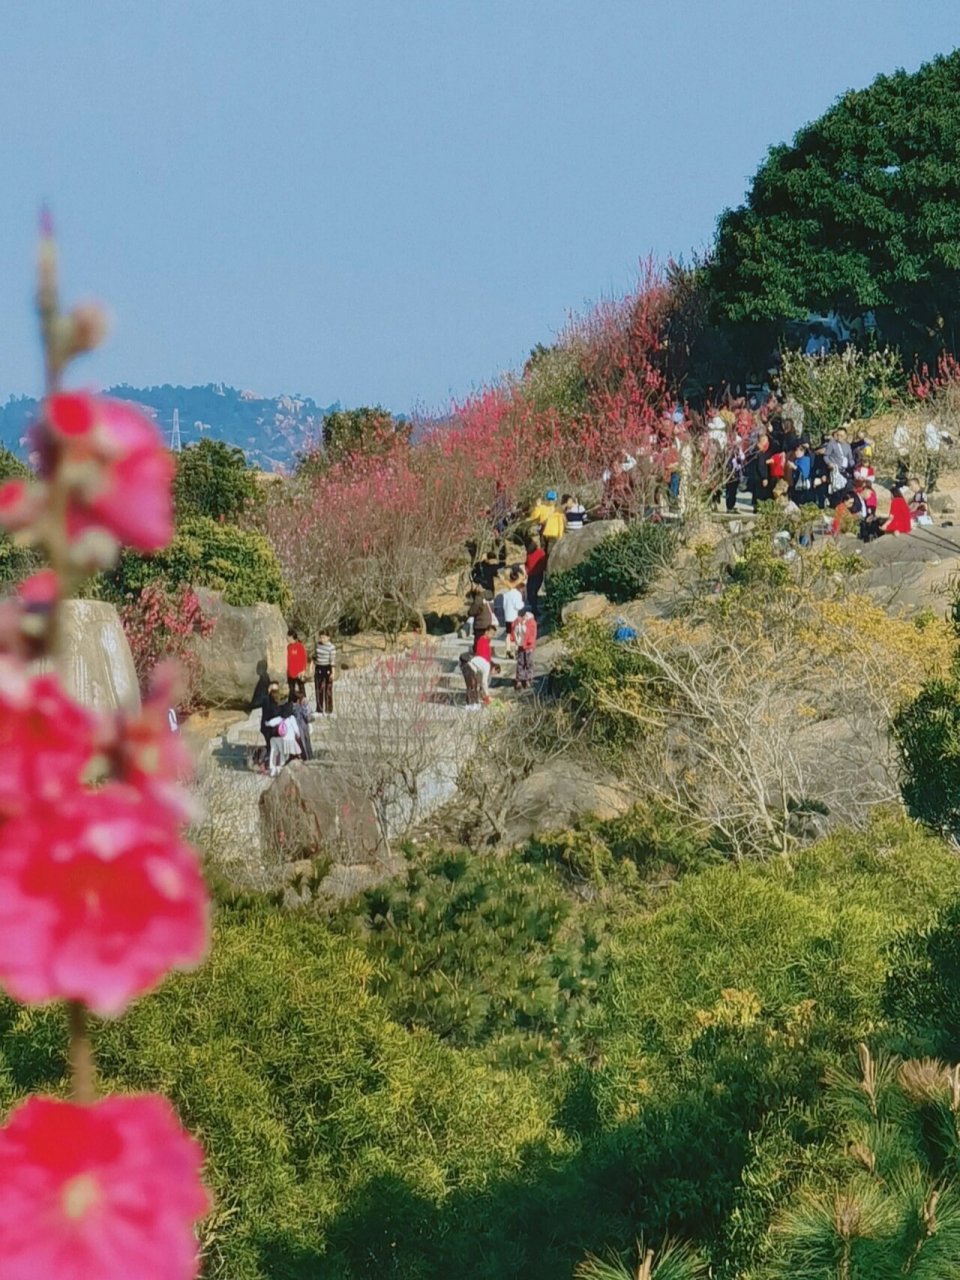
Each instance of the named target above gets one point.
<point>100,897</point>
<point>160,624</point>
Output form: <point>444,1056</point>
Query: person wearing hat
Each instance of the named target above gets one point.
<point>525,638</point>
<point>543,509</point>
<point>554,527</point>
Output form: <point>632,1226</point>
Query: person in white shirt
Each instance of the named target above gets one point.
<point>512,601</point>
<point>575,512</point>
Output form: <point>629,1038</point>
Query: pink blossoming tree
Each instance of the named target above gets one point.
<point>100,897</point>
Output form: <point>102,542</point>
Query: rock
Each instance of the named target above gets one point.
<point>574,547</point>
<point>587,605</point>
<point>241,638</point>
<point>942,503</point>
<point>445,600</point>
<point>97,664</point>
<point>309,809</point>
<point>363,649</point>
<point>322,835</point>
<point>556,794</point>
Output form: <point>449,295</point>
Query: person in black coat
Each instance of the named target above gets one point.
<point>759,480</point>
<point>272,708</point>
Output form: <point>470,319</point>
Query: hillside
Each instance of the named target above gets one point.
<point>270,430</point>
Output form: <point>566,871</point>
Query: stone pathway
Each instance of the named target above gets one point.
<point>397,707</point>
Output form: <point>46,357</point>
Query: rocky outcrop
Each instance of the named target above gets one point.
<point>586,606</point>
<point>241,639</point>
<point>311,811</point>
<point>97,666</point>
<point>557,794</point>
<point>574,547</point>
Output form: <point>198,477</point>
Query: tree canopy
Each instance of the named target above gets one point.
<point>860,213</point>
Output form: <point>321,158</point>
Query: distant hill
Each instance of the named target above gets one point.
<point>270,431</point>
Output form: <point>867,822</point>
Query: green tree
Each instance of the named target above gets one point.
<point>16,562</point>
<point>213,480</point>
<point>861,212</point>
<point>353,431</point>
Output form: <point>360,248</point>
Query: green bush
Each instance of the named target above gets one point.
<point>213,480</point>
<point>484,951</point>
<point>303,1091</point>
<point>16,562</point>
<point>622,567</point>
<point>927,734</point>
<point>208,553</point>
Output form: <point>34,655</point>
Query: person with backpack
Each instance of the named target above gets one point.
<point>800,477</point>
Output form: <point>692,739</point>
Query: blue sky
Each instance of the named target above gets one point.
<point>391,200</point>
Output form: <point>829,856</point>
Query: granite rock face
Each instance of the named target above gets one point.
<point>97,665</point>
<point>242,637</point>
<point>575,545</point>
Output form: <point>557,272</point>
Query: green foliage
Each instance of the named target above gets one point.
<point>592,669</point>
<point>646,844</point>
<point>894,1209</point>
<point>625,566</point>
<point>553,378</point>
<point>207,553</point>
<point>922,994</point>
<point>927,735</point>
<point>622,567</point>
<point>486,952</point>
<point>673,1262</point>
<point>835,388</point>
<point>861,212</point>
<point>303,1091</point>
<point>212,480</point>
<point>347,432</point>
<point>561,588</point>
<point>16,562</point>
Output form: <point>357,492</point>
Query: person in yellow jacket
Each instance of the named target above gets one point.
<point>544,508</point>
<point>554,527</point>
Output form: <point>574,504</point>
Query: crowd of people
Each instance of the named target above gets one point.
<point>775,462</point>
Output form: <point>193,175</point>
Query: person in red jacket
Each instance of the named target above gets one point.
<point>525,635</point>
<point>900,519</point>
<point>535,567</point>
<point>296,665</point>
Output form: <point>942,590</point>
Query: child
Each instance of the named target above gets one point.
<point>525,636</point>
<point>303,715</point>
<point>918,503</point>
<point>324,663</point>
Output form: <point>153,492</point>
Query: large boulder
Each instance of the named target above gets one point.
<point>576,544</point>
<point>242,638</point>
<point>310,809</point>
<point>586,606</point>
<point>556,794</point>
<point>97,665</point>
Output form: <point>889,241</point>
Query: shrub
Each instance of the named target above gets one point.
<point>927,734</point>
<point>207,553</point>
<point>622,567</point>
<point>159,624</point>
<point>212,480</point>
<point>625,566</point>
<point>16,562</point>
<point>303,1091</point>
<point>486,952</point>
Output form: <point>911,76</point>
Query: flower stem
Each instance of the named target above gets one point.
<point>82,1069</point>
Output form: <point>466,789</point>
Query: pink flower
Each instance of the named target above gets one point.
<point>145,753</point>
<point>21,504</point>
<point>103,1192</point>
<point>46,740</point>
<point>115,464</point>
<point>99,899</point>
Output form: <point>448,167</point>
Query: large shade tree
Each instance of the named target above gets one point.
<point>861,213</point>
